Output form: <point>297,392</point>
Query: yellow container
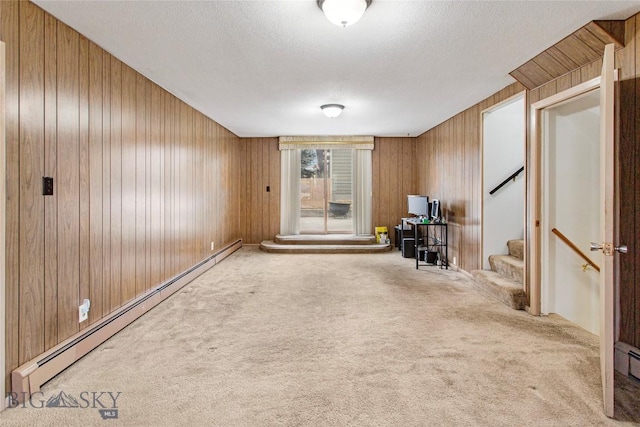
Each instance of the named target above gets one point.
<point>380,230</point>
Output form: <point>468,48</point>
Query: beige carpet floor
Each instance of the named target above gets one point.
<point>335,340</point>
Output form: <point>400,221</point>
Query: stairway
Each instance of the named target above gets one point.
<point>318,244</point>
<point>504,280</point>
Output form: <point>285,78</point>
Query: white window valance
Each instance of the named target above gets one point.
<point>326,142</point>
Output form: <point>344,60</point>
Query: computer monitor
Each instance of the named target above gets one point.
<point>435,210</point>
<point>418,205</point>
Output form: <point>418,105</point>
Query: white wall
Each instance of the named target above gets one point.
<point>571,189</point>
<point>503,143</point>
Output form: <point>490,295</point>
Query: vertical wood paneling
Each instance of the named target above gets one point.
<point>189,238</point>
<point>181,186</point>
<point>258,167</point>
<point>135,199</point>
<point>274,195</point>
<point>394,161</point>
<point>254,174</point>
<point>32,164</point>
<point>107,284</point>
<point>140,147</point>
<point>633,263</point>
<point>115,288</point>
<point>198,187</point>
<point>375,183</point>
<point>50,202</point>
<point>156,165</point>
<point>68,187</point>
<point>148,184</point>
<point>628,225</point>
<point>265,178</point>
<point>214,178</point>
<point>129,175</point>
<point>96,254</point>
<point>84,290</point>
<point>394,171</point>
<point>9,31</point>
<point>167,119</point>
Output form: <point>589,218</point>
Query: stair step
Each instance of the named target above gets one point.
<point>508,266</point>
<point>499,287</point>
<point>516,248</point>
<point>325,239</point>
<point>272,247</point>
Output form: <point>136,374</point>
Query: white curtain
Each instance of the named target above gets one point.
<point>290,192</point>
<point>290,179</point>
<point>362,190</point>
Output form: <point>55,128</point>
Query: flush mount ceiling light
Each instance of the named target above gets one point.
<point>332,110</point>
<point>343,12</point>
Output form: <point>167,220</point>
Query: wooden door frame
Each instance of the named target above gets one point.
<point>534,215</point>
<point>525,98</point>
<point>3,197</point>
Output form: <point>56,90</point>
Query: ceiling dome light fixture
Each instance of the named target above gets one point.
<point>332,110</point>
<point>343,12</point>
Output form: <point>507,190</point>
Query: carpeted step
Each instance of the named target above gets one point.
<point>272,247</point>
<point>509,266</point>
<point>324,239</point>
<point>499,287</point>
<point>516,248</point>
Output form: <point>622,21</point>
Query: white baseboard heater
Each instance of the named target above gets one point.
<point>627,360</point>
<point>29,377</point>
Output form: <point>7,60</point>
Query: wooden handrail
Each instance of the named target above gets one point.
<point>575,248</point>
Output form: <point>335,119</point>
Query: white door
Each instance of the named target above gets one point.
<point>607,170</point>
<point>607,213</point>
<point>571,209</point>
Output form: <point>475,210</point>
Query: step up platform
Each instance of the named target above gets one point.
<point>329,239</point>
<point>500,287</point>
<point>322,244</point>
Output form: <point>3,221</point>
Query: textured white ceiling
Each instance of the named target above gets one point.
<point>263,68</point>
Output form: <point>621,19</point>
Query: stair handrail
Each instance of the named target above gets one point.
<point>576,249</point>
<point>513,176</point>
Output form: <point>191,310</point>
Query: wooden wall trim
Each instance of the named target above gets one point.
<point>3,198</point>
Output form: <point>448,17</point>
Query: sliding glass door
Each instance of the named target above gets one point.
<point>326,186</point>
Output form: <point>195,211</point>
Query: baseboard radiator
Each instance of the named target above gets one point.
<point>627,360</point>
<point>28,378</point>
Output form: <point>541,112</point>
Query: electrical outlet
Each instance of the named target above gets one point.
<point>454,261</point>
<point>83,311</point>
<point>212,245</point>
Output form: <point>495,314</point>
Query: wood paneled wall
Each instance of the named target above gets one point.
<point>394,164</point>
<point>143,182</point>
<point>449,159</point>
<point>260,208</point>
<point>394,167</point>
<point>628,60</point>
